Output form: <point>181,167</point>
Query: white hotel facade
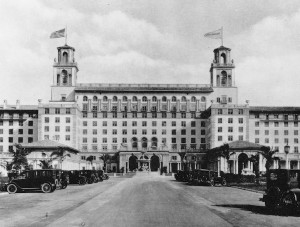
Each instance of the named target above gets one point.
<point>151,124</point>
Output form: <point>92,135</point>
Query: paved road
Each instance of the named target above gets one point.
<point>139,201</point>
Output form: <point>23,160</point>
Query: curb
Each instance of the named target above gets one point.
<point>247,189</point>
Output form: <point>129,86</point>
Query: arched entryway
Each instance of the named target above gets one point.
<point>154,164</point>
<point>133,163</point>
<point>242,162</point>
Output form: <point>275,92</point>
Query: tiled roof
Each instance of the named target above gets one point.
<point>144,88</point>
<point>48,145</point>
<point>276,109</point>
<point>240,145</point>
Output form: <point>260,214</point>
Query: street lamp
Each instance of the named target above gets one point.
<point>286,150</point>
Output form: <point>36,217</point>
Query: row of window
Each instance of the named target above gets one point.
<point>276,124</point>
<point>21,123</point>
<point>17,115</point>
<point>57,120</point>
<point>230,120</point>
<point>144,123</point>
<point>59,111</point>
<point>138,115</point>
<point>20,131</point>
<point>17,140</point>
<point>230,138</point>
<point>144,99</point>
<point>276,132</point>
<point>230,111</point>
<point>277,140</point>
<point>230,129</point>
<point>276,116</point>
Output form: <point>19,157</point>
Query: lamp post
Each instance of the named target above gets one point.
<point>286,150</point>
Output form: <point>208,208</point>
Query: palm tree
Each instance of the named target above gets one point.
<point>61,154</point>
<point>90,159</point>
<point>19,159</point>
<point>225,152</point>
<point>255,160</point>
<point>268,154</point>
<point>182,155</point>
<point>46,164</point>
<point>105,158</point>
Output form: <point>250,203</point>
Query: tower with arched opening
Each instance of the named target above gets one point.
<point>64,75</point>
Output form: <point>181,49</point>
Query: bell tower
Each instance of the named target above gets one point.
<point>64,75</point>
<point>222,77</point>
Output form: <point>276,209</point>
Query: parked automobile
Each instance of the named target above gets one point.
<point>90,176</point>
<point>206,177</point>
<point>247,172</point>
<point>182,175</point>
<point>76,177</point>
<point>283,190</point>
<point>45,180</point>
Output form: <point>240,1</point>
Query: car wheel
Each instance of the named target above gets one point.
<point>289,202</point>
<point>46,188</point>
<point>12,189</point>
<point>64,185</point>
<point>224,183</point>
<point>212,183</point>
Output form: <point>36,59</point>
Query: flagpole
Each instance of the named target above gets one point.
<point>66,36</point>
<point>222,35</point>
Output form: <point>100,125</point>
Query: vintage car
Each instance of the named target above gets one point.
<point>206,177</point>
<point>45,180</point>
<point>182,175</point>
<point>90,176</point>
<point>283,190</point>
<point>76,177</point>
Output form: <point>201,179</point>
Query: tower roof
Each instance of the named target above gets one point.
<point>66,47</point>
<point>222,48</point>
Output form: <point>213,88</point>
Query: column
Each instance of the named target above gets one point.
<point>298,165</point>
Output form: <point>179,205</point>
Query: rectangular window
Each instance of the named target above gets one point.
<point>104,114</point>
<point>153,131</point>
<point>183,115</point>
<point>21,131</point>
<point>114,131</point>
<point>1,131</point>
<point>68,119</point>
<point>47,111</point>
<point>257,124</point>
<point>94,140</point>
<point>57,120</point>
<point>57,111</point>
<point>241,111</point>
<point>286,132</point>
<point>68,138</point>
<point>144,115</point>
<point>220,111</point>
<point>84,131</point>
<point>183,132</point>
<point>84,140</point>
<point>296,150</point>
<point>173,115</point>
<point>193,140</point>
<point>173,123</point>
<point>183,124</point>
<point>276,132</point>
<point>230,138</point>
<point>114,114</point>
<point>241,138</point>
<point>11,123</point>
<point>241,129</point>
<point>20,123</point>
<point>134,114</point>
<point>286,124</point>
<point>154,123</point>
<point>10,139</point>
<point>30,131</point>
<point>124,132</point>
<point>104,131</point>
<point>230,120</point>
<point>220,138</point>
<point>256,140</point>
<point>104,123</point>
<point>95,115</point>
<point>20,140</point>
<point>193,132</point>
<point>173,140</point>
<point>183,140</point>
<point>219,129</point>
<point>193,123</point>
<point>46,137</point>
<point>266,132</point>
<point>68,129</point>
<point>144,131</point>
<point>134,132</point>
<point>124,140</point>
<point>124,123</point>
<point>163,123</point>
<point>68,111</point>
<point>219,120</point>
<point>276,140</point>
<point>296,132</point>
<point>46,119</point>
<point>256,132</point>
<point>124,114</point>
<point>173,131</point>
<point>94,123</point>
<point>114,123</point>
<point>164,115</point>
<point>30,139</point>
<point>230,129</point>
<point>134,123</point>
<point>154,115</point>
<point>266,140</point>
<point>104,140</point>
<point>241,120</point>
<point>57,128</point>
<point>230,111</point>
<point>95,132</point>
<point>164,132</point>
<point>10,131</point>
<point>295,124</point>
<point>286,140</point>
<point>276,124</point>
<point>144,123</point>
<point>46,129</point>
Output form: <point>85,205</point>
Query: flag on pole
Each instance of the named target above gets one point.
<point>218,34</point>
<point>58,34</point>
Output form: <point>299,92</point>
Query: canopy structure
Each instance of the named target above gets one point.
<point>48,145</point>
<point>239,146</point>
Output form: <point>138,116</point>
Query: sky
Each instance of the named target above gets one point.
<point>146,41</point>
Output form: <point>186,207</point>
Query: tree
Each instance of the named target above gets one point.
<point>61,154</point>
<point>268,154</point>
<point>255,160</point>
<point>105,158</point>
<point>225,152</point>
<point>19,160</point>
<point>46,164</point>
<point>182,155</point>
<point>90,159</point>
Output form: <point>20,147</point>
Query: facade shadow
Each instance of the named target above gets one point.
<point>259,210</point>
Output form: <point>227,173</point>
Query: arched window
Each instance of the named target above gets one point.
<point>154,99</point>
<point>193,99</point>
<point>203,99</point>
<point>85,98</point>
<point>223,58</point>
<point>65,57</point>
<point>154,142</point>
<point>183,99</point>
<point>144,99</point>
<point>229,80</point>
<point>58,79</point>
<point>164,99</point>
<point>134,99</point>
<point>144,142</point>
<point>124,98</point>
<point>224,78</point>
<point>174,99</point>
<point>218,80</point>
<point>64,77</point>
<point>115,99</point>
<point>134,142</point>
<point>95,99</point>
<point>70,79</point>
<point>104,98</point>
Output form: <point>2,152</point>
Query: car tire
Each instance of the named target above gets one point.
<point>12,189</point>
<point>289,203</point>
<point>212,183</point>
<point>224,183</point>
<point>64,185</point>
<point>46,188</point>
